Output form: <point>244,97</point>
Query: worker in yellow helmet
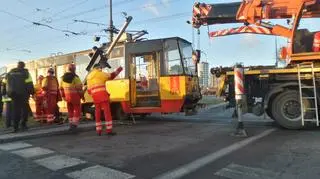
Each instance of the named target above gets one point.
<point>96,84</point>
<point>71,92</point>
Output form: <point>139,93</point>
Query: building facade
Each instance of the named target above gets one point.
<point>203,73</point>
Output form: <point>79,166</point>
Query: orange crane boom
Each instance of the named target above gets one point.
<point>253,12</point>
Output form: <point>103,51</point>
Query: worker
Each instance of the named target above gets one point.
<point>96,83</point>
<point>7,104</point>
<point>1,102</point>
<point>40,101</point>
<point>50,87</point>
<point>71,92</point>
<point>19,88</point>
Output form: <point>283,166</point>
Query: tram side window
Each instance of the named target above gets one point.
<point>172,61</point>
<point>115,63</point>
<point>82,62</point>
<point>186,52</point>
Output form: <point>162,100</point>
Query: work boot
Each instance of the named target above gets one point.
<point>24,128</point>
<point>111,133</point>
<point>73,128</point>
<point>15,130</point>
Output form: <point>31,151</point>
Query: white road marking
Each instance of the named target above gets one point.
<point>58,162</point>
<point>99,172</point>
<point>234,171</point>
<point>201,162</point>
<point>32,152</point>
<point>14,146</point>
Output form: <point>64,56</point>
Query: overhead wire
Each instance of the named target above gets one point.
<point>157,19</point>
<point>70,7</point>
<point>79,13</point>
<point>46,20</point>
<point>137,8</point>
<point>91,10</point>
<point>151,20</point>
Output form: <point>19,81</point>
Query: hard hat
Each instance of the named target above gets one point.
<point>51,70</point>
<point>72,67</point>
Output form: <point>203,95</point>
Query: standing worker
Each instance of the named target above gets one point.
<point>96,82</point>
<point>19,88</point>
<point>1,101</point>
<point>7,104</point>
<point>71,92</point>
<point>50,87</point>
<point>40,101</point>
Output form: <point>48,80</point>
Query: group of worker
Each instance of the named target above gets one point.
<point>17,87</point>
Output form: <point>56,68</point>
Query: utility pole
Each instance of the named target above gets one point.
<point>111,22</point>
<point>276,46</point>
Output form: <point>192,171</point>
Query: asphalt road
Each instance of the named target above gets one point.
<point>171,146</point>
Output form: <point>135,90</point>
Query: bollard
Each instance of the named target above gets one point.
<point>239,96</point>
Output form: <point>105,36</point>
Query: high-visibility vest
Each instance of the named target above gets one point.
<point>72,92</point>
<point>316,42</point>
<point>96,83</point>
<point>50,85</point>
<point>38,92</point>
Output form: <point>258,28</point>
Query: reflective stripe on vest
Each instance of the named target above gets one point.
<point>53,92</point>
<point>6,99</point>
<point>71,90</point>
<point>97,88</point>
<point>316,45</point>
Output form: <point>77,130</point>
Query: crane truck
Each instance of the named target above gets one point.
<point>289,95</point>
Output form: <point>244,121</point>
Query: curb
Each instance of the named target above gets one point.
<point>215,106</point>
<point>11,137</point>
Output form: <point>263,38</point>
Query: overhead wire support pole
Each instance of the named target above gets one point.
<point>111,22</point>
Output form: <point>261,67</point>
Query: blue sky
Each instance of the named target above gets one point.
<point>20,40</point>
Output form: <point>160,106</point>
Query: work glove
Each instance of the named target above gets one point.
<point>119,70</point>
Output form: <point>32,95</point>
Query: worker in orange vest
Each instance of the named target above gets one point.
<point>50,87</point>
<point>96,84</point>
<point>71,92</point>
<point>39,100</point>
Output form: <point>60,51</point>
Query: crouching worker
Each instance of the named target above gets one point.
<point>96,83</point>
<point>71,92</point>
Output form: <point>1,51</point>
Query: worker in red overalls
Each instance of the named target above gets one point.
<point>50,87</point>
<point>71,92</point>
<point>39,100</point>
<point>96,84</point>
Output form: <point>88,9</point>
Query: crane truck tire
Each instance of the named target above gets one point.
<point>286,109</point>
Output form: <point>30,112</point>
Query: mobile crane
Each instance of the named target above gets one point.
<point>288,95</point>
